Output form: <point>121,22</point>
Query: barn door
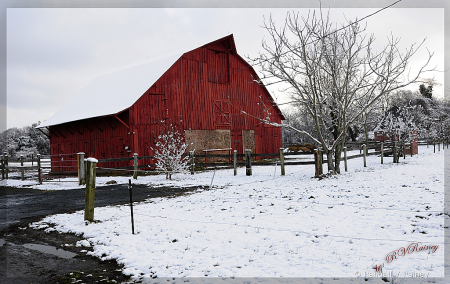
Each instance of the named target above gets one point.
<point>236,141</point>
<point>248,140</point>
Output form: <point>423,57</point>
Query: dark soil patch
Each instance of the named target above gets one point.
<point>21,206</point>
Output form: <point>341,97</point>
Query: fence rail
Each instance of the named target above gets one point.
<point>49,167</point>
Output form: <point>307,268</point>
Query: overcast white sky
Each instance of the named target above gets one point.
<point>53,53</point>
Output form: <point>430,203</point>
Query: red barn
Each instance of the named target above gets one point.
<point>202,91</point>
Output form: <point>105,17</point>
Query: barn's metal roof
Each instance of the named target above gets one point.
<point>117,91</point>
<point>112,93</point>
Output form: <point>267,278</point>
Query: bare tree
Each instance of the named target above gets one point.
<point>333,73</point>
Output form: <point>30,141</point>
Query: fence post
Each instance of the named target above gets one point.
<point>364,154</point>
<point>382,152</point>
<point>191,156</point>
<point>318,163</point>
<point>395,153</point>
<point>90,190</point>
<point>434,145</point>
<point>32,159</point>
<point>439,145</point>
<point>81,169</point>
<point>345,158</point>
<point>39,168</point>
<point>235,161</point>
<point>21,167</point>
<point>248,162</point>
<point>135,166</point>
<point>283,172</point>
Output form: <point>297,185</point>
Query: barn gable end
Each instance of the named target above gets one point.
<point>203,92</point>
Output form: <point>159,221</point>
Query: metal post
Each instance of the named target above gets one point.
<point>282,161</point>
<point>81,169</point>
<point>235,161</point>
<point>345,158</point>
<point>364,150</point>
<point>131,206</point>
<point>39,168</point>
<point>248,162</point>
<point>135,166</point>
<point>21,168</point>
<point>90,189</point>
<point>382,152</point>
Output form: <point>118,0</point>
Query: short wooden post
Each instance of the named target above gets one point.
<point>135,173</point>
<point>345,158</point>
<point>81,169</point>
<point>248,162</point>
<point>434,145</point>
<point>318,168</point>
<point>282,161</point>
<point>382,152</point>
<point>439,145</point>
<point>90,189</point>
<point>235,161</point>
<point>364,154</point>
<point>39,168</point>
<point>5,160</point>
<point>21,167</point>
<point>191,156</point>
<point>395,152</point>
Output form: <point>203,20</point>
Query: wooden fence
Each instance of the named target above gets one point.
<point>43,168</point>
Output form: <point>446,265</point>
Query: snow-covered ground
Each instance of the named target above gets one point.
<point>267,225</point>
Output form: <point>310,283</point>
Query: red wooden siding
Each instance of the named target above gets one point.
<point>204,90</point>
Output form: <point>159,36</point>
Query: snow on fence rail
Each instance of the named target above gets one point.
<point>59,166</point>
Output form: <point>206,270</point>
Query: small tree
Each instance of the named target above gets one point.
<point>170,147</point>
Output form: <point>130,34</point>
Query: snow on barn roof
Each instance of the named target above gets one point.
<point>112,93</point>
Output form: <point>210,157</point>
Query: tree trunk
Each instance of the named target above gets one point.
<point>330,161</point>
<point>366,132</point>
<point>337,159</point>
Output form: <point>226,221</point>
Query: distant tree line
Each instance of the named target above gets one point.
<point>24,141</point>
<point>426,114</point>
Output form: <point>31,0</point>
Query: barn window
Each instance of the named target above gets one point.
<point>221,112</point>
